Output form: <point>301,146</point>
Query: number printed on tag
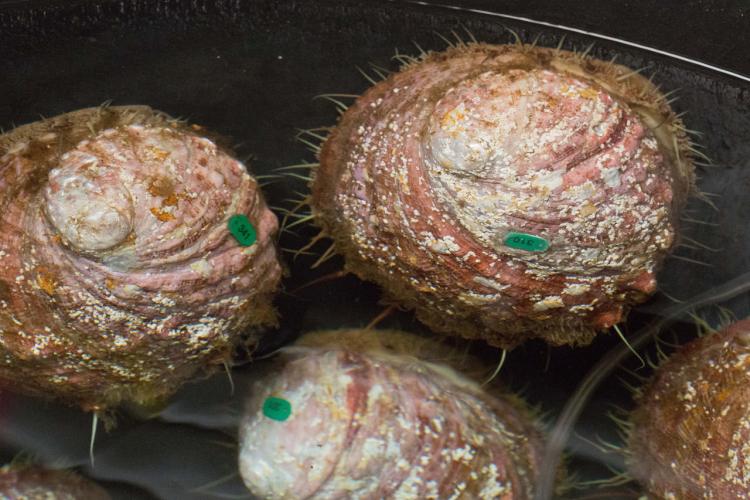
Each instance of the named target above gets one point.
<point>528,242</point>
<point>242,230</point>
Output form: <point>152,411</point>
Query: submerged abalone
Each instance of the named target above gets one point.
<point>690,433</point>
<point>120,274</point>
<point>382,414</point>
<point>32,482</point>
<point>507,192</point>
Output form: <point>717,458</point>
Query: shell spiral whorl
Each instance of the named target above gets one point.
<point>429,172</point>
<point>88,205</point>
<point>370,422</point>
<point>119,277</point>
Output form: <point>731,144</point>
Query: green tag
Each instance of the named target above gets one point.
<point>528,242</point>
<point>277,409</point>
<point>242,229</point>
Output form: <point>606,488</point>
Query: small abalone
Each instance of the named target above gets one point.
<point>382,414</point>
<point>690,434</point>
<point>31,482</point>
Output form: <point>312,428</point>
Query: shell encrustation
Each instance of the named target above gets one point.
<point>507,192</point>
<point>690,433</point>
<point>119,277</point>
<point>360,414</point>
<point>32,482</point>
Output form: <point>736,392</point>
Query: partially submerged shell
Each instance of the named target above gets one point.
<point>507,192</point>
<point>690,434</point>
<point>30,482</point>
<point>119,277</point>
<point>379,414</point>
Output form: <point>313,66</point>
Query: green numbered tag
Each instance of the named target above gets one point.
<point>528,242</point>
<point>277,409</point>
<point>241,228</point>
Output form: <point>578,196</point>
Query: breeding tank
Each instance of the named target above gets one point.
<point>183,317</point>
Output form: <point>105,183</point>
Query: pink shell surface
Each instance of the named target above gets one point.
<point>371,426</point>
<point>431,169</point>
<point>120,278</point>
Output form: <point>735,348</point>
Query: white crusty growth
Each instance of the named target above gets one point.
<point>120,277</point>
<point>430,176</point>
<point>369,423</point>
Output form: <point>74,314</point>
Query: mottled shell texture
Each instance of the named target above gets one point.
<point>507,192</point>
<point>690,434</point>
<point>367,421</point>
<point>119,277</point>
<point>28,482</point>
